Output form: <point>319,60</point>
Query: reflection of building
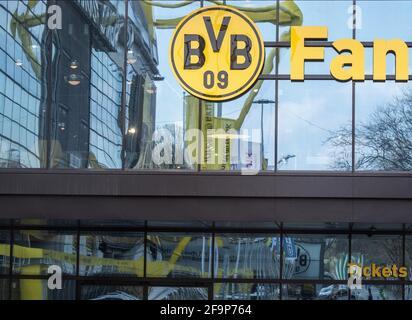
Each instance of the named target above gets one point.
<point>88,97</point>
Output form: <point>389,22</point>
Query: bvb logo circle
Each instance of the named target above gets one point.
<point>217,53</point>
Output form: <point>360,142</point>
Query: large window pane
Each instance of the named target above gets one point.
<point>311,291</point>
<point>178,255</point>
<point>35,250</point>
<point>239,134</point>
<point>316,257</point>
<point>382,251</point>
<point>383,126</point>
<point>311,117</point>
<point>408,260</point>
<point>156,103</point>
<point>22,85</point>
<point>177,293</point>
<point>112,254</point>
<point>5,251</point>
<point>262,12</point>
<point>247,256</point>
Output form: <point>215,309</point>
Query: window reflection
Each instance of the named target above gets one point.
<point>383,251</point>
<point>310,291</point>
<point>111,292</point>
<point>37,289</point>
<point>177,293</point>
<point>316,257</point>
<point>336,15</point>
<point>111,254</point>
<point>35,250</point>
<point>378,292</point>
<point>177,255</point>
<point>245,256</point>
<point>246,291</point>
<point>370,27</point>
<point>87,94</point>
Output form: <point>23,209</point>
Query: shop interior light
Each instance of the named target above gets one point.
<point>158,77</point>
<point>73,79</point>
<point>132,130</point>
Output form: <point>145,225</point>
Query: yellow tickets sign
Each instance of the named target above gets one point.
<point>217,53</point>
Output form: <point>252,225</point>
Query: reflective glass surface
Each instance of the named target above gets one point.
<point>111,292</point>
<point>316,257</point>
<point>177,293</point>
<point>111,254</point>
<point>22,85</point>
<point>245,261</point>
<point>37,289</point>
<point>34,251</point>
<point>311,114</point>
<point>89,93</point>
<point>247,256</point>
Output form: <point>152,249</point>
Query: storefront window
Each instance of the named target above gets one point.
<point>36,289</point>
<point>34,251</point>
<point>246,291</point>
<point>22,86</point>
<point>248,257</point>
<point>378,292</point>
<point>311,117</point>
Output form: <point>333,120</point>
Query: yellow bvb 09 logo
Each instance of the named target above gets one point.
<point>217,53</point>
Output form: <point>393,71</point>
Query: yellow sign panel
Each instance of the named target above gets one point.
<point>217,53</point>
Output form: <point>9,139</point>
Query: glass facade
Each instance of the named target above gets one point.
<point>141,260</point>
<point>98,92</point>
